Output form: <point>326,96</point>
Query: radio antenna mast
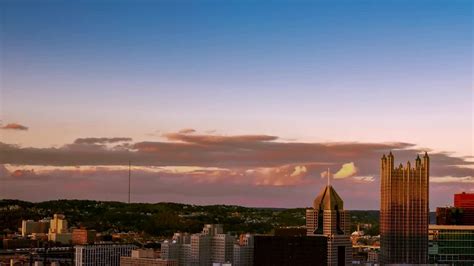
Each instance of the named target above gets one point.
<point>329,177</point>
<point>129,177</point>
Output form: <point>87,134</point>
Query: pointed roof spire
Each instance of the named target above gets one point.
<point>328,199</point>
<point>418,157</point>
<point>426,154</point>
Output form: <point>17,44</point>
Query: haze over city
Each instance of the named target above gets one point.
<point>240,102</point>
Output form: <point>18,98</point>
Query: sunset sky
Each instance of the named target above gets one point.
<point>232,102</point>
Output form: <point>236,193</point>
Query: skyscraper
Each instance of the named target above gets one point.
<point>404,211</point>
<point>328,218</point>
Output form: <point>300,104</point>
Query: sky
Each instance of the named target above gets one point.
<point>232,102</point>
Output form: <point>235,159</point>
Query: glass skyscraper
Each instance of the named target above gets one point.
<point>404,211</point>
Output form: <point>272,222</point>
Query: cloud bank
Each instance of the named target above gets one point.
<point>260,168</point>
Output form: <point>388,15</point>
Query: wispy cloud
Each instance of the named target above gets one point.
<point>14,126</point>
<point>101,140</point>
<point>452,179</point>
<point>186,131</point>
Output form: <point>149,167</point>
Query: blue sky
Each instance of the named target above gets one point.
<point>312,71</point>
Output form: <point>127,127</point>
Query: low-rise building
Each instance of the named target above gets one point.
<point>145,257</point>
<point>107,254</point>
<point>451,244</point>
<point>290,250</point>
<point>83,236</point>
<point>29,227</point>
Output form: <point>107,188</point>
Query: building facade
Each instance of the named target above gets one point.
<point>404,211</point>
<point>290,250</point>
<point>243,251</point>
<point>461,214</point>
<point>210,246</point>
<point>145,257</point>
<point>329,219</point>
<point>465,202</point>
<point>58,230</point>
<point>101,254</point>
<point>29,227</point>
<point>451,244</point>
<point>179,249</point>
<point>83,236</point>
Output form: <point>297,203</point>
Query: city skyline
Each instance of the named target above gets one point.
<point>232,103</point>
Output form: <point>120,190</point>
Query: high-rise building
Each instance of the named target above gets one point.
<point>243,251</point>
<point>58,230</point>
<point>329,219</point>
<point>451,244</point>
<point>179,249</point>
<point>205,248</point>
<point>404,211</point>
<point>102,254</point>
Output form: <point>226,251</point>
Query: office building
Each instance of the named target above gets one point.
<point>212,246</point>
<point>329,219</point>
<point>58,230</point>
<point>448,216</point>
<point>404,211</point>
<point>19,243</point>
<point>461,214</point>
<point>243,251</point>
<point>83,236</point>
<point>290,250</point>
<point>179,249</point>
<point>145,257</point>
<point>451,244</point>
<point>29,227</point>
<point>465,202</point>
<point>209,246</point>
<point>101,254</point>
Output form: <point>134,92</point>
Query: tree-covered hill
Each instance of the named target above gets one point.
<point>161,219</point>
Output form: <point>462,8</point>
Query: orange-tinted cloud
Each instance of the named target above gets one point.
<point>187,131</point>
<point>347,170</point>
<point>14,126</point>
<point>236,153</point>
<point>101,140</point>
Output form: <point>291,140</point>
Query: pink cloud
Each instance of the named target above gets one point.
<point>14,126</point>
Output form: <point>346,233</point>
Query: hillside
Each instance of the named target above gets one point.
<point>162,219</point>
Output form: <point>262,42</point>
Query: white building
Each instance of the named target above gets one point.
<point>102,254</point>
<point>203,249</point>
<point>179,248</point>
